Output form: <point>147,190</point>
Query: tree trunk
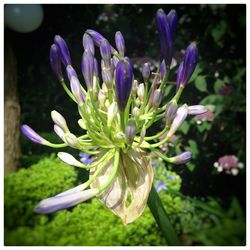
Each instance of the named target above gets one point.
<point>12,150</point>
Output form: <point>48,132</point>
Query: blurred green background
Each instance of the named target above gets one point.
<point>220,33</point>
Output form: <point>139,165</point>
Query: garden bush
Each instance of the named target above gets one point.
<point>90,223</point>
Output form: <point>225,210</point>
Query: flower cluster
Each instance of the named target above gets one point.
<point>115,113</point>
<point>229,163</point>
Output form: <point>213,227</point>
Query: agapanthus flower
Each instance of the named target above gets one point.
<point>115,115</point>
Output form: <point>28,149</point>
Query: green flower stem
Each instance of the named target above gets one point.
<point>152,87</point>
<point>116,54</point>
<point>122,121</point>
<point>149,138</point>
<point>165,79</point>
<point>67,90</point>
<point>88,151</point>
<point>178,94</point>
<point>113,172</point>
<point>54,145</point>
<point>105,158</point>
<point>161,217</point>
<point>162,156</point>
<point>155,145</point>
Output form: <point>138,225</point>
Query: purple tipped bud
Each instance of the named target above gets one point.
<point>187,68</point>
<point>171,112</point>
<point>123,81</point>
<point>55,61</point>
<point>70,72</point>
<point>32,135</point>
<point>59,202</point>
<point>71,140</point>
<point>157,97</point>
<point>141,91</point>
<point>163,70</point>
<point>76,89</point>
<point>166,36</point>
<point>120,43</point>
<point>181,158</point>
<point>97,38</point>
<point>130,131</point>
<point>88,43</point>
<point>88,68</point>
<point>180,117</point>
<point>105,50</point>
<point>172,17</point>
<point>197,110</point>
<point>63,49</point>
<point>146,71</point>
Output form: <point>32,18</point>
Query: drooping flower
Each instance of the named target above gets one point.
<point>32,135</point>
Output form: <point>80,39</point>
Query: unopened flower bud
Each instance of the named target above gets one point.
<point>88,68</point>
<point>76,89</point>
<point>70,72</point>
<point>163,70</point>
<point>180,117</point>
<point>112,112</point>
<point>59,120</point>
<point>146,71</point>
<point>107,77</point>
<point>81,123</point>
<point>71,140</point>
<point>120,43</point>
<point>32,135</point>
<point>63,49</point>
<point>55,62</point>
<point>135,87</point>
<point>69,159</point>
<point>105,50</point>
<point>130,131</point>
<point>136,112</point>
<point>141,91</point>
<point>101,97</point>
<point>88,43</point>
<point>197,110</point>
<point>171,110</point>
<point>181,158</point>
<point>157,97</point>
<point>59,131</point>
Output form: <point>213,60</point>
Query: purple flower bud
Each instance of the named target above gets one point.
<point>88,43</point>
<point>172,17</point>
<point>166,36</point>
<point>114,61</point>
<point>76,89</point>
<point>163,69</point>
<point>130,131</point>
<point>120,43</point>
<point>97,38</point>
<point>107,77</point>
<point>105,50</point>
<point>181,158</point>
<point>96,68</point>
<point>146,71</point>
<point>186,68</point>
<point>63,49</point>
<point>157,97</point>
<point>32,135</point>
<point>59,202</point>
<point>88,68</point>
<point>171,110</point>
<point>180,117</point>
<point>70,72</point>
<point>55,61</point>
<point>197,110</point>
<point>123,81</point>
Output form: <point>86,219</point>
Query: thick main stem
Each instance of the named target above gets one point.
<point>161,217</point>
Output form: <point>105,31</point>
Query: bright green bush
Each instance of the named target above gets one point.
<point>90,223</point>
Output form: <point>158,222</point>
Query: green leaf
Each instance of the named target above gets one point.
<point>196,72</point>
<point>190,166</point>
<point>194,147</point>
<point>185,127</point>
<point>201,83</point>
<point>217,85</point>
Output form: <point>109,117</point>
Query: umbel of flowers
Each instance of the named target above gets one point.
<point>115,113</point>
